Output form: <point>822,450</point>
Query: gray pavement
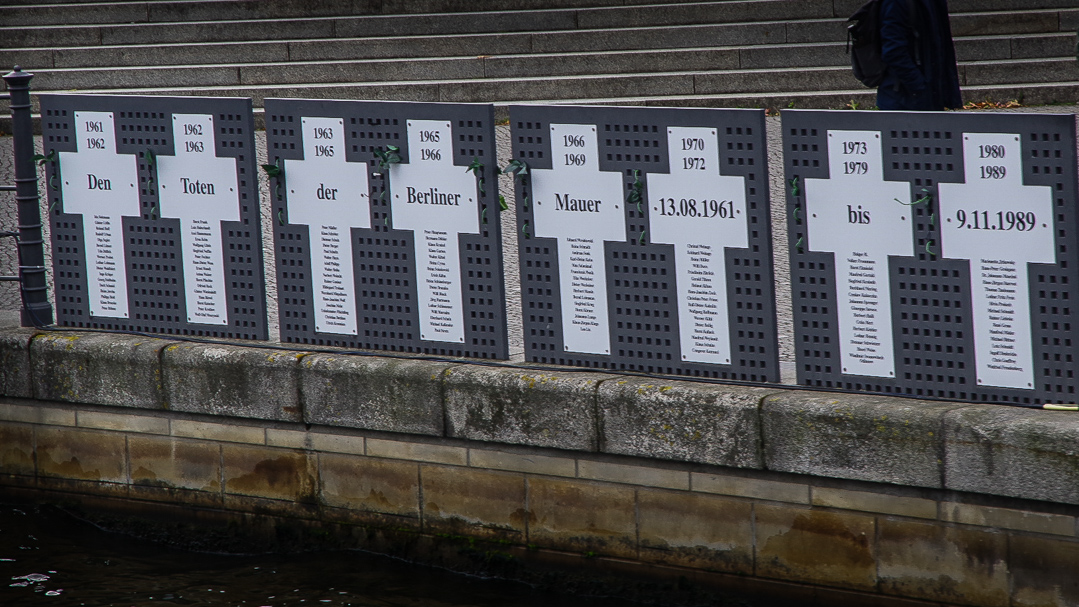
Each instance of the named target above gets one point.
<point>9,297</point>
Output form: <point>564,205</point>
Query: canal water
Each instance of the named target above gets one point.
<point>50,558</point>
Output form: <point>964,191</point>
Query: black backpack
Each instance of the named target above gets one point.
<point>863,42</point>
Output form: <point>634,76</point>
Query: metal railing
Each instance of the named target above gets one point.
<point>33,282</point>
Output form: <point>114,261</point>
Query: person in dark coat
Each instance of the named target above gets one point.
<point>917,49</point>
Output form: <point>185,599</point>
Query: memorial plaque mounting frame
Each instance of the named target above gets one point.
<point>642,296</point>
<point>384,264</point>
<point>152,248</point>
<point>931,296</point>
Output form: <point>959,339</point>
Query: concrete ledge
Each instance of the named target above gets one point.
<point>1015,452</point>
<point>682,421</point>
<point>372,393</point>
<point>232,380</point>
<point>521,407</point>
<point>15,362</point>
<point>986,449</point>
<point>860,437</point>
<point>100,369</point>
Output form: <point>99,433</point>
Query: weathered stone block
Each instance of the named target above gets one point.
<point>529,463</point>
<point>647,476</point>
<point>15,362</point>
<point>372,485</point>
<point>83,455</point>
<point>231,433</point>
<point>387,394</point>
<point>112,369</point>
<point>37,414</point>
<point>756,488</point>
<point>123,422</point>
<point>231,380</point>
<point>1043,571</point>
<point>16,449</point>
<point>522,407</point>
<point>474,502</point>
<point>830,548</point>
<point>954,565</point>
<point>862,437</point>
<point>1016,452</point>
<point>1007,518</point>
<point>874,502</point>
<point>278,474</point>
<point>418,452</point>
<point>174,463</point>
<point>582,517</point>
<point>683,421</point>
<point>336,443</point>
<point>694,530</point>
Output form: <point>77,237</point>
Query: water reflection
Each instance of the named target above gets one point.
<point>50,558</point>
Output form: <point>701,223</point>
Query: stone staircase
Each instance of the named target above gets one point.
<point>723,53</point>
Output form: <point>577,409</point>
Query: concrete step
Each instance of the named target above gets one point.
<point>270,9</point>
<point>1022,71</point>
<point>588,13</point>
<point>577,29</point>
<point>788,56</point>
<point>610,12</point>
<point>494,45</point>
<point>754,71</point>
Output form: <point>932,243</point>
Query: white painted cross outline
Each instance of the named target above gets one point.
<point>202,191</point>
<point>580,235</point>
<point>330,196</point>
<point>701,213</point>
<point>107,195</point>
<point>976,229</point>
<point>855,216</point>
<point>438,201</point>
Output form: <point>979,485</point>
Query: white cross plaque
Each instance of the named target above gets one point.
<point>854,214</point>
<point>100,185</point>
<point>581,207</point>
<point>701,213</point>
<point>1000,226</point>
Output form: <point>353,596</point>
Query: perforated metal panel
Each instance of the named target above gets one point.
<point>385,258</point>
<point>152,250</point>
<point>641,276</point>
<point>931,296</point>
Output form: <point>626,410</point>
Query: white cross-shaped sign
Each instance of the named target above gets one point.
<point>1000,226</point>
<point>201,190</point>
<point>854,214</point>
<point>581,207</point>
<point>438,201</point>
<point>330,196</point>
<point>100,184</point>
<point>701,213</point>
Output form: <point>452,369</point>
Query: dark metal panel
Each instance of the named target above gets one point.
<point>384,258</point>
<point>642,292</point>
<point>931,296</point>
<point>152,246</point>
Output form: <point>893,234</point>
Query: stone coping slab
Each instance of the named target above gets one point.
<point>989,449</point>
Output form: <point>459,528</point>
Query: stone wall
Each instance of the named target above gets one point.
<point>945,502</point>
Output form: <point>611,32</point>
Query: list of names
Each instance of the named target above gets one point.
<point>440,296</point>
<point>583,259</point>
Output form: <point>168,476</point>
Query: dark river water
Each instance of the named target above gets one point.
<point>48,557</point>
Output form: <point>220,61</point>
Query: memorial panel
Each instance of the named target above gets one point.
<point>644,240</point>
<point>154,210</point>
<point>387,234</point>
<point>932,253</point>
